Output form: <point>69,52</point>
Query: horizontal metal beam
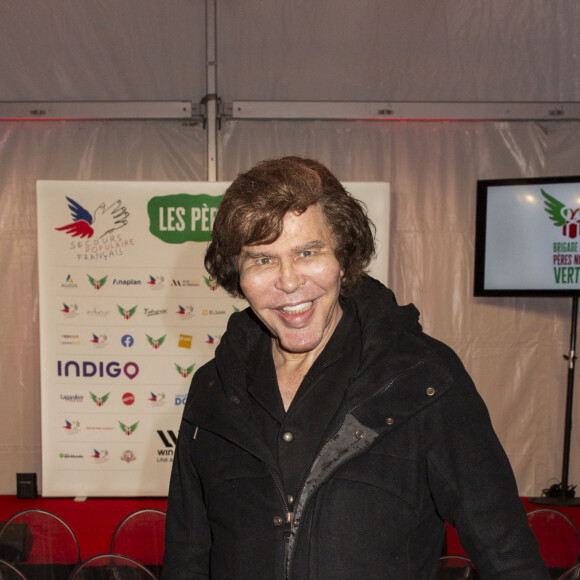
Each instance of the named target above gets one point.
<point>93,110</point>
<point>354,110</point>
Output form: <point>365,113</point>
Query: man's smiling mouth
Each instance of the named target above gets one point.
<point>298,308</point>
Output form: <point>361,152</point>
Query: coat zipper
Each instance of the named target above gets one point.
<point>386,387</point>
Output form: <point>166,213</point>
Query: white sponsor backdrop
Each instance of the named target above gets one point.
<point>127,314</point>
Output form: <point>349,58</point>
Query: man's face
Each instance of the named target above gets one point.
<point>293,284</point>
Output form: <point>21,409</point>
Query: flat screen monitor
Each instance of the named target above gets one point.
<point>527,239</point>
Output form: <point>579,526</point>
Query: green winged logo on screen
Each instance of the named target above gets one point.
<point>183,217</point>
<point>565,217</point>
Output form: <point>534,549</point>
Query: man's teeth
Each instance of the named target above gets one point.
<point>298,309</point>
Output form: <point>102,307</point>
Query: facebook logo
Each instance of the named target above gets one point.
<point>127,341</point>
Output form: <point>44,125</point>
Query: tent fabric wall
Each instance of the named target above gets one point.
<point>512,346</point>
<point>383,50</point>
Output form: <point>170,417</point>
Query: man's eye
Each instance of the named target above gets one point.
<point>263,261</point>
<point>307,253</point>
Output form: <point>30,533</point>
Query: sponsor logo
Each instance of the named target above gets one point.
<point>128,398</point>
<point>126,313</point>
<point>72,398</point>
<point>169,441</point>
<point>156,282</point>
<point>70,456</point>
<point>186,283</point>
<point>69,283</point>
<point>128,429</point>
<point>180,400</point>
<point>128,456</point>
<point>207,312</point>
<point>154,311</point>
<point>101,221</point>
<point>185,341</point>
<point>100,455</point>
<point>99,340</point>
<point>129,282</point>
<point>156,342</point>
<point>157,399</point>
<point>72,427</point>
<point>127,341</point>
<point>99,401</point>
<point>213,340</point>
<point>185,312</point>
<point>101,369</point>
<point>168,438</point>
<point>183,217</point>
<point>211,284</point>
<point>70,339</point>
<point>97,284</point>
<point>184,371</point>
<point>69,310</point>
<point>97,313</point>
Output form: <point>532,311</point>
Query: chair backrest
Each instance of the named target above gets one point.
<point>9,572</point>
<point>558,537</point>
<point>141,536</point>
<point>38,539</point>
<point>571,574</point>
<point>456,568</point>
<point>111,567</point>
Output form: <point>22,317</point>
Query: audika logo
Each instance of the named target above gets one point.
<point>97,284</point>
<point>69,310</point>
<point>128,429</point>
<point>127,313</point>
<point>72,427</point>
<point>102,221</point>
<point>99,340</point>
<point>185,312</point>
<point>99,401</point>
<point>156,342</point>
<point>565,217</point>
<point>156,282</point>
<point>184,371</point>
<point>69,283</point>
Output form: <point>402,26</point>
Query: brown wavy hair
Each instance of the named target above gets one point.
<point>253,210</point>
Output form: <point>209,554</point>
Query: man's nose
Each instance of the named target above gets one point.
<point>290,278</point>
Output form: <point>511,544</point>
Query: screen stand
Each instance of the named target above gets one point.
<point>561,495</point>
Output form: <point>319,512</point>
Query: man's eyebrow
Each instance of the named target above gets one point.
<point>313,245</point>
<point>255,254</point>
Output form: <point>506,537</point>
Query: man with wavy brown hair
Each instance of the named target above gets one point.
<point>329,438</point>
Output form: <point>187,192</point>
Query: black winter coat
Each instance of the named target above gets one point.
<point>412,446</point>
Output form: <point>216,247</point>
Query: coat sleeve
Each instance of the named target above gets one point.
<point>187,533</point>
<point>473,485</point>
